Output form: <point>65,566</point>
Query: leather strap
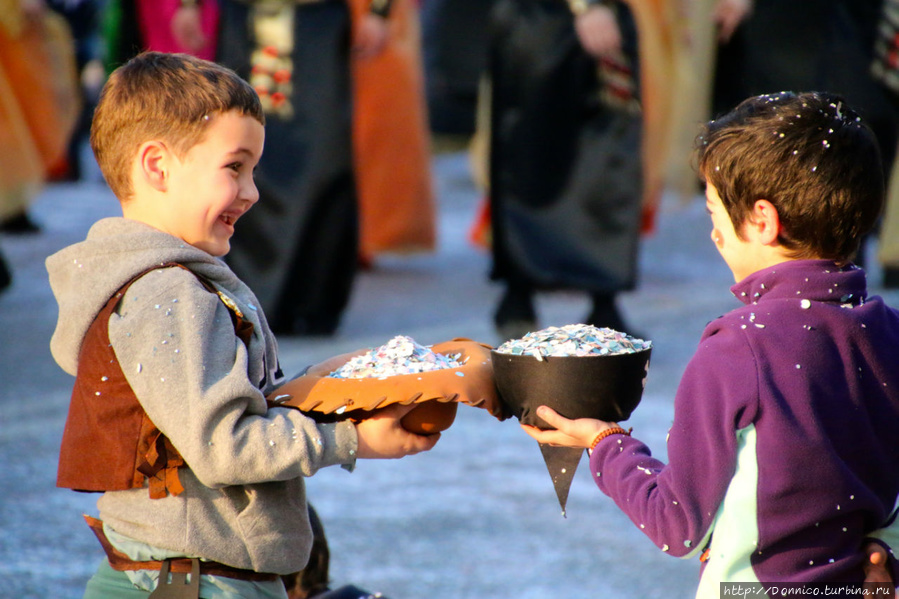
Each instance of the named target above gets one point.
<point>121,562</point>
<point>172,585</point>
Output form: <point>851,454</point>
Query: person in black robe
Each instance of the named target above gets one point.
<point>298,248</point>
<point>565,165</point>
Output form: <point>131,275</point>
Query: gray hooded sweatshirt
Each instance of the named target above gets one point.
<point>244,501</point>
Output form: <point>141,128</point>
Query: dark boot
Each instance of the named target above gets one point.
<point>515,315</point>
<point>5,275</point>
<point>605,313</point>
<point>891,277</point>
<point>20,224</point>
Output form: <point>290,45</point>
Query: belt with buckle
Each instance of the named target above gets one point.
<point>121,562</point>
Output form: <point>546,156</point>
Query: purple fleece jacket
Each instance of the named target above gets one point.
<point>784,451</point>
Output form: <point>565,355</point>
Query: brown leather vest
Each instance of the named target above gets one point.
<point>109,443</point>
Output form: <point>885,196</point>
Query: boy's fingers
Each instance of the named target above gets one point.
<point>402,410</point>
<point>876,570</point>
<point>430,441</point>
<point>397,410</point>
<point>551,417</point>
<point>421,443</point>
<point>541,436</point>
<point>532,431</point>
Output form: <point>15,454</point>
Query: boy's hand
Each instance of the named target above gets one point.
<point>33,10</point>
<point>568,433</point>
<point>877,569</point>
<point>382,436</point>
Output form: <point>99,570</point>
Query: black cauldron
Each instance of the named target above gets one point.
<point>606,387</point>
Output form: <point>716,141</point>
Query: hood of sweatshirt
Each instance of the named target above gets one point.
<point>83,277</point>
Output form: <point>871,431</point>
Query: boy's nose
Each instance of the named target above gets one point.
<point>251,193</point>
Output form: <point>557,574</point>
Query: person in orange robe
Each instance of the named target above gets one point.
<point>38,104</point>
<point>390,139</point>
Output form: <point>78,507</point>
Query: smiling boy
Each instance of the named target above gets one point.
<point>173,358</point>
<point>200,197</point>
<point>782,455</point>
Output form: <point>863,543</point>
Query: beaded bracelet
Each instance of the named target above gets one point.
<point>615,430</point>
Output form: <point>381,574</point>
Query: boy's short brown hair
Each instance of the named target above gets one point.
<point>808,154</point>
<point>162,96</point>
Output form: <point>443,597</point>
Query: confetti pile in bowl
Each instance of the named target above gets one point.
<point>400,355</point>
<point>574,340</point>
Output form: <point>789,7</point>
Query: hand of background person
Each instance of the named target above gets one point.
<point>371,36</point>
<point>187,29</point>
<point>877,568</point>
<point>33,9</point>
<point>567,432</point>
<point>598,31</point>
<point>728,14</point>
<point>382,436</point>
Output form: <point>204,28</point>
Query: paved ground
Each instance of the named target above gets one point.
<point>477,517</point>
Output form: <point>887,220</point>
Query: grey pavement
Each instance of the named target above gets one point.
<point>475,518</point>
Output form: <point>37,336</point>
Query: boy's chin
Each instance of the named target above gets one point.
<point>218,249</point>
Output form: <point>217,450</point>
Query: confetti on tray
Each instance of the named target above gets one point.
<point>400,355</point>
<point>574,340</point>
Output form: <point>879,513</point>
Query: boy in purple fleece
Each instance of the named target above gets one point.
<point>784,451</point>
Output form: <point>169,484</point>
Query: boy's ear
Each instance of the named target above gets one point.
<point>764,222</point>
<point>154,159</point>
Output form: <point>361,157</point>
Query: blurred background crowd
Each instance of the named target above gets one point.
<point>577,115</point>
